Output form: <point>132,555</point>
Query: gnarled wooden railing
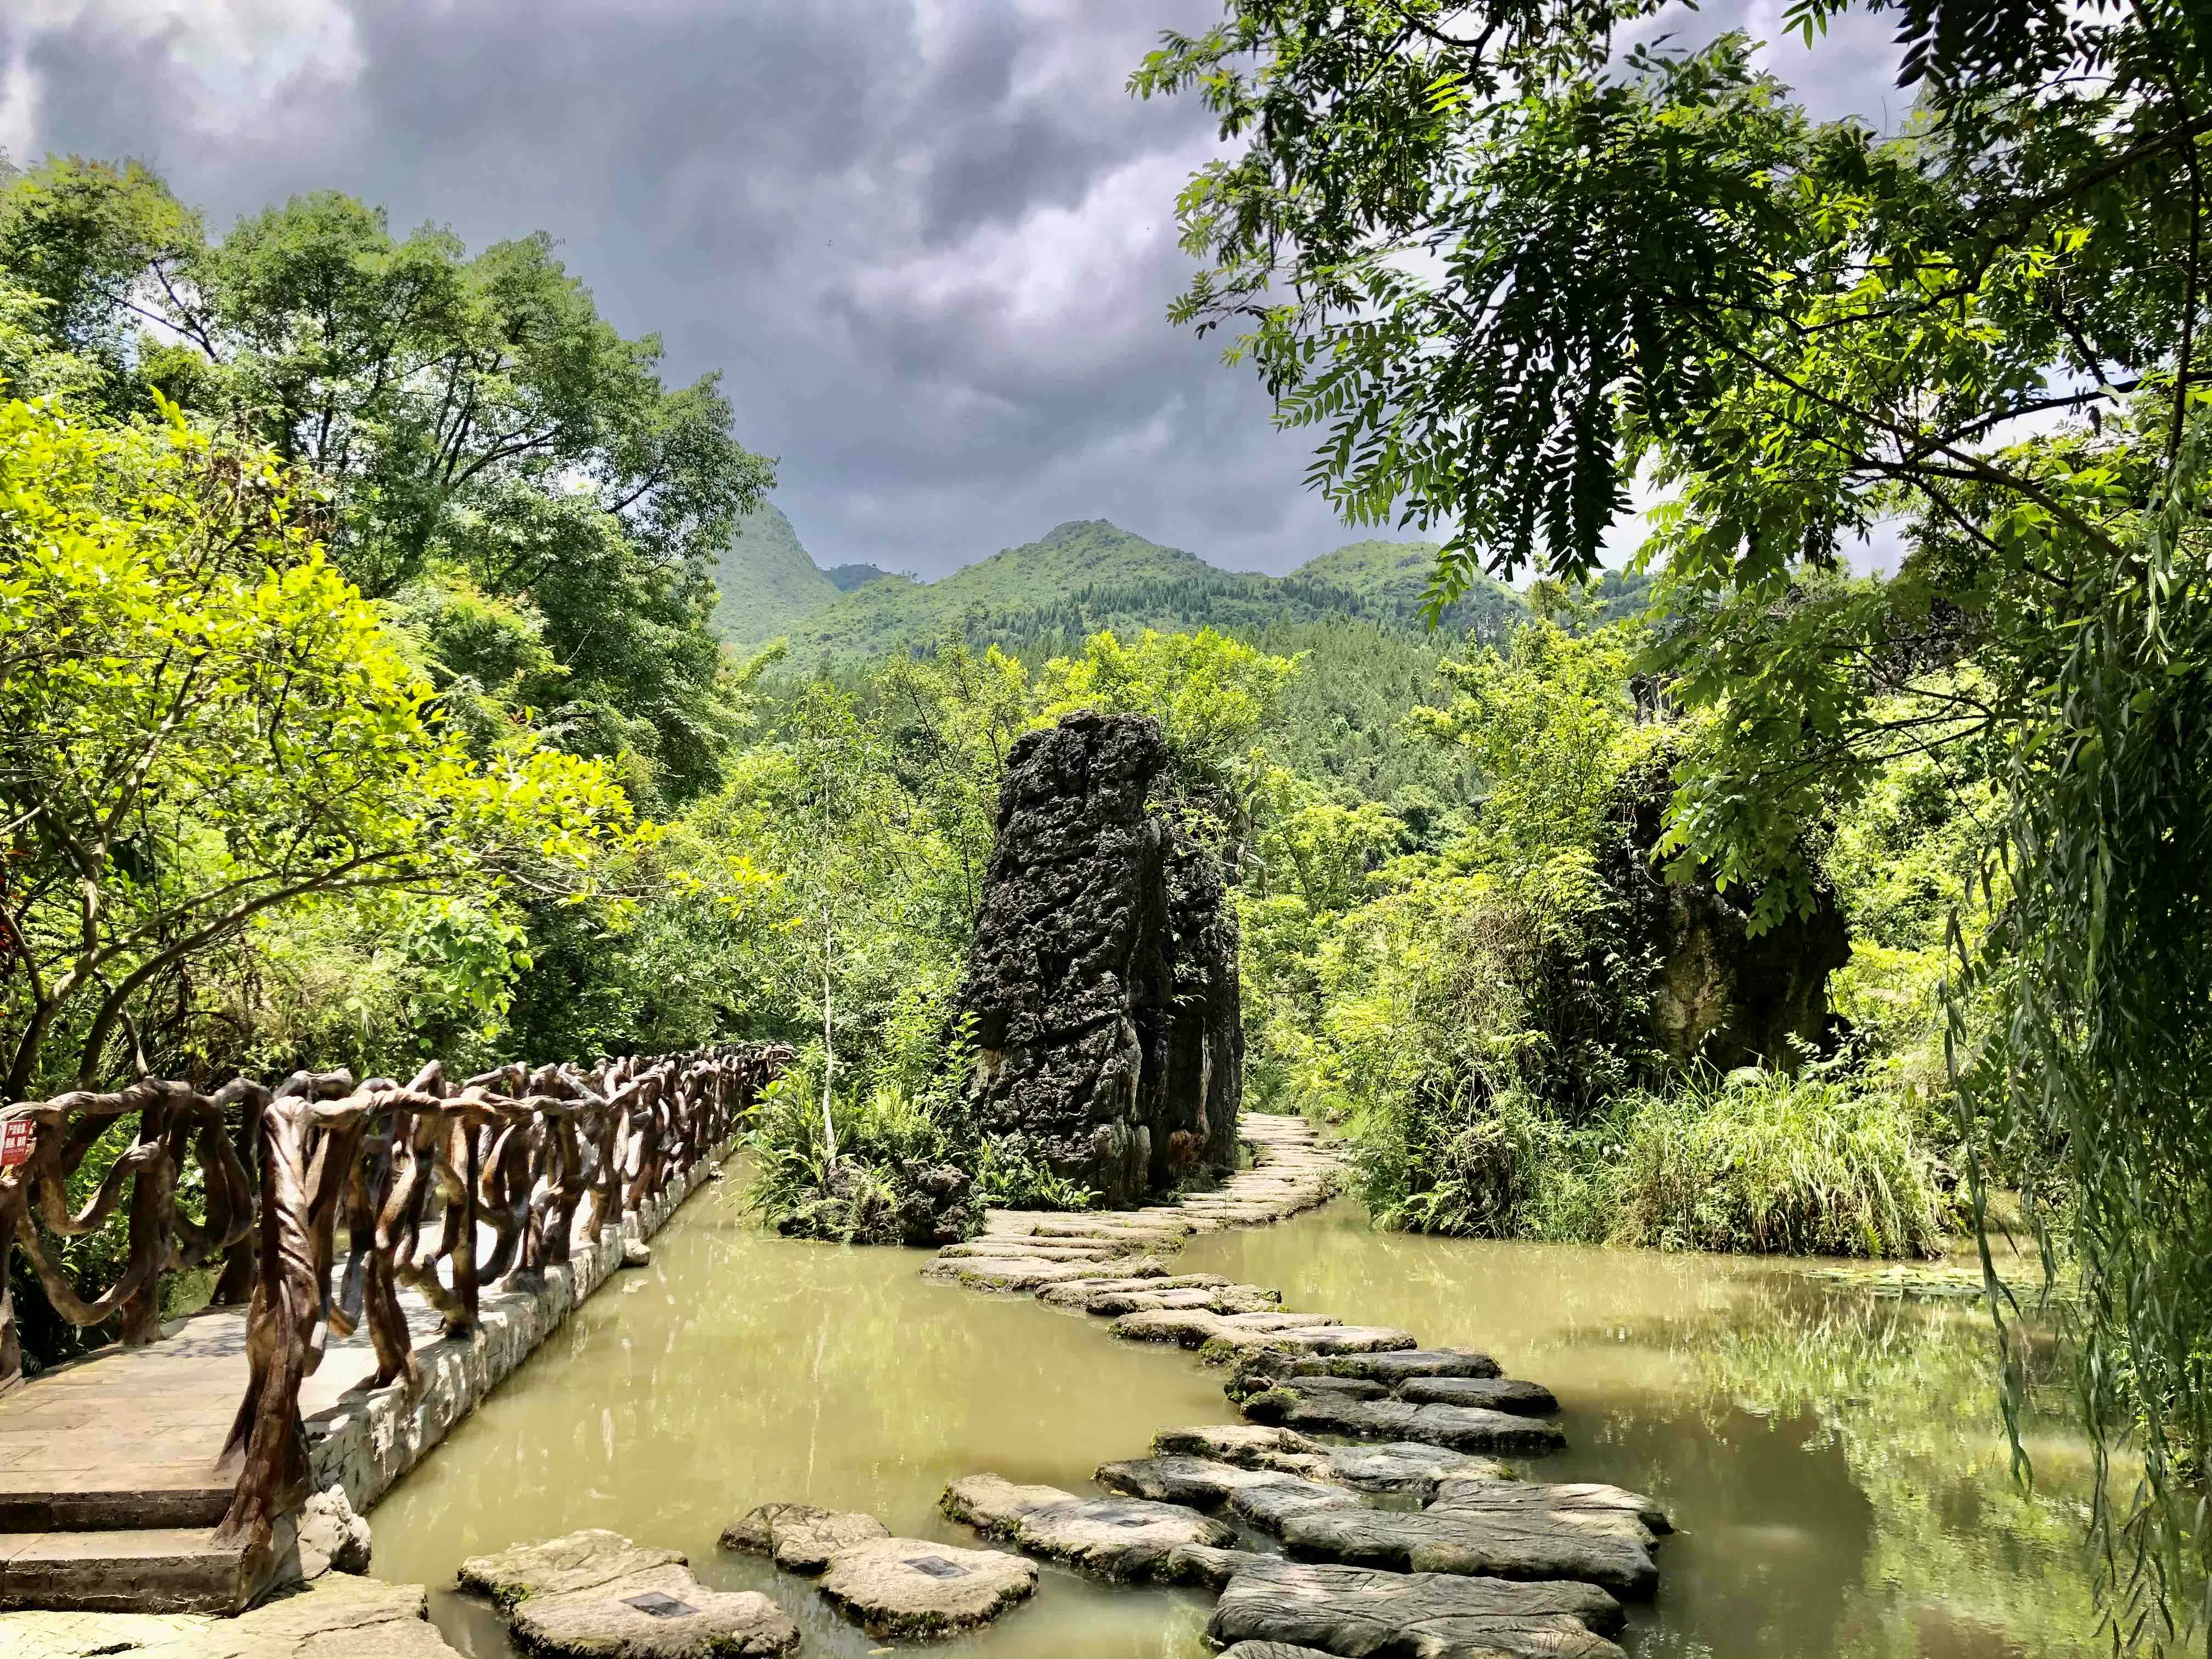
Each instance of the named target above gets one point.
<point>438,1186</point>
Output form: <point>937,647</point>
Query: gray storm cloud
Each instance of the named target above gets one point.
<point>930,243</point>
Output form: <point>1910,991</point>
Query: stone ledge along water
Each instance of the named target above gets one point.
<point>1489,1564</point>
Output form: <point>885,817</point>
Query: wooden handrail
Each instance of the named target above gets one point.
<point>398,1179</point>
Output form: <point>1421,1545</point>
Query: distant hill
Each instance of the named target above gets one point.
<point>1040,599</point>
<point>766,583</point>
<point>1393,578</point>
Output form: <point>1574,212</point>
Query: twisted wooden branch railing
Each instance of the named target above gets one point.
<point>413,1174</point>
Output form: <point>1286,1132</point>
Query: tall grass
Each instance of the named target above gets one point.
<point>1753,1163</point>
<point>1765,1163</point>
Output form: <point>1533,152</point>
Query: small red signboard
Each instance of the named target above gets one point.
<point>17,1136</point>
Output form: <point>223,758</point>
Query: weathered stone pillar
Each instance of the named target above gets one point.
<point>1104,980</point>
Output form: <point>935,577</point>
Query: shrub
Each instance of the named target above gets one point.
<point>1762,1162</point>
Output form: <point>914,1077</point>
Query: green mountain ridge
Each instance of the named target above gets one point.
<point>1040,599</point>
<point>764,582</point>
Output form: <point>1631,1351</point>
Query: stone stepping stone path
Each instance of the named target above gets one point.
<point>798,1537</point>
<point>594,1594</point>
<point>1402,1468</point>
<point>892,1587</point>
<point>910,1586</point>
<point>1125,1539</point>
<point>1344,1425</point>
<point>1353,1612</point>
<point>1496,1528</point>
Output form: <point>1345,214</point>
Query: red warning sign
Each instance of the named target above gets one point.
<point>17,1136</point>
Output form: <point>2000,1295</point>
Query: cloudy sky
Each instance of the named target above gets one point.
<point>930,243</point>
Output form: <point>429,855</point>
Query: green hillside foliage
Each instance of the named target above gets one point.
<point>847,577</point>
<point>1393,579</point>
<point>764,583</point>
<point>1043,599</point>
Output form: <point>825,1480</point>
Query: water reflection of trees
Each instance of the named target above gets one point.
<point>1961,1561</point>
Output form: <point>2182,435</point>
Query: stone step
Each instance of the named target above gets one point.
<point>131,1498</point>
<point>135,1570</point>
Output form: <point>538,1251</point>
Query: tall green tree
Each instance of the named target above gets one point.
<point>1505,267</point>
<point>472,418</point>
<point>203,724</point>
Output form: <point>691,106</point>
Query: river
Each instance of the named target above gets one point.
<point>1832,1456</point>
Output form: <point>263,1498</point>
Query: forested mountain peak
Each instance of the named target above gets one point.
<point>1042,597</point>
<point>765,581</point>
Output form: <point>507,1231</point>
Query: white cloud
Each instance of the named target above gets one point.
<point>231,61</point>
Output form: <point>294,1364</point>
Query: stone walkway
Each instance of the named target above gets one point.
<point>108,1484</point>
<point>1399,1531</point>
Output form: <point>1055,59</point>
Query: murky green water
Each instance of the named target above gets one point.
<point>1832,1457</point>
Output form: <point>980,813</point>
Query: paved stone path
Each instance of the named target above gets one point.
<point>109,1484</point>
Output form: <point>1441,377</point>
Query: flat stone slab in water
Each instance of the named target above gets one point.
<point>1531,1542</point>
<point>1265,1497</point>
<point>1083,1292</point>
<point>1498,1393</point>
<point>1396,1466</point>
<point>1012,1274</point>
<point>1407,1467</point>
<point>1235,1343</point>
<point>1353,1612</point>
<point>596,1595</point>
<point>1395,1368</point>
<point>1465,1428</point>
<point>911,1587</point>
<point>1583,1496</point>
<point>1274,1650</point>
<point>577,1560</point>
<point>799,1537</point>
<point>1204,1564</point>
<point>1119,1538</point>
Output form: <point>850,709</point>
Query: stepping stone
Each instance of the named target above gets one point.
<point>1400,1466</point>
<point>913,1587</point>
<point>1464,1428</point>
<point>1119,1538</point>
<point>1274,1650</point>
<point>1192,1328</point>
<point>1010,1273</point>
<point>1498,1393</point>
<point>1203,1564</point>
<point>1265,1497</point>
<point>1235,1343</point>
<point>1353,1612</point>
<point>1336,1388</point>
<point>1082,1293</point>
<point>1248,1445</point>
<point>597,1595</point>
<point>1407,1468</point>
<point>798,1537</point>
<point>1523,1542</point>
<point>1583,1496</point>
<point>1024,1250</point>
<point>1393,1368</point>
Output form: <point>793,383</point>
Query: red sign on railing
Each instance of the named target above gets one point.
<point>17,1136</point>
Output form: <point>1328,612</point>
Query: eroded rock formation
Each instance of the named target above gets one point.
<point>1718,993</point>
<point>1103,980</point>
